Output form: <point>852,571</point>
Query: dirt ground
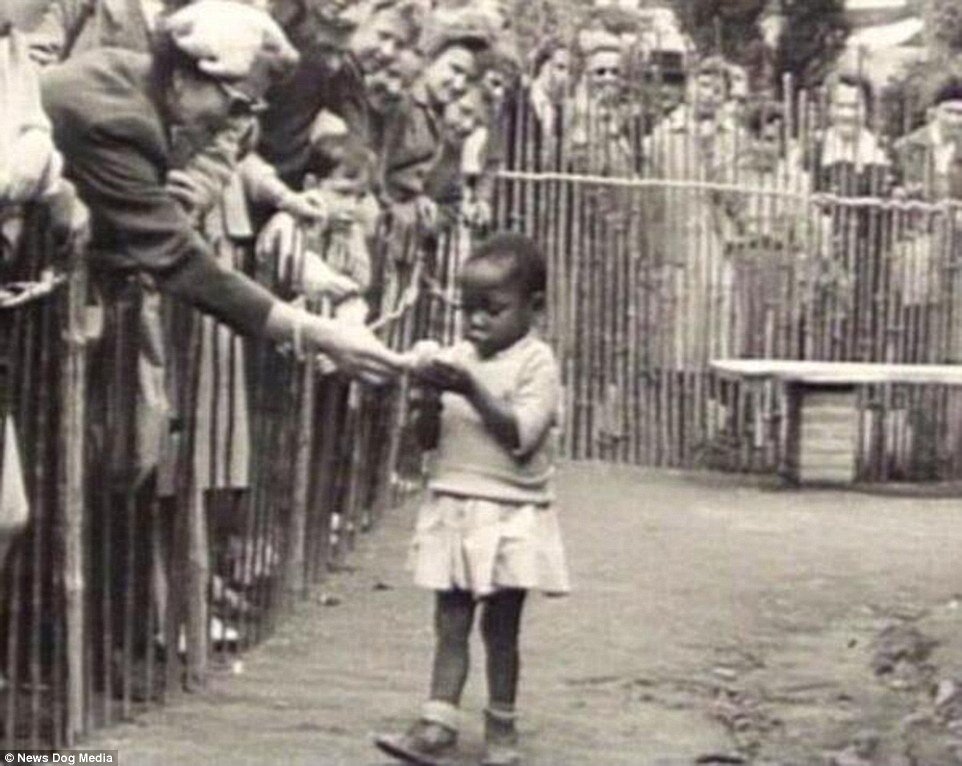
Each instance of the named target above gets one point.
<point>714,621</point>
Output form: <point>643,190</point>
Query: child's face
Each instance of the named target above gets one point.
<point>495,85</point>
<point>344,197</point>
<point>498,312</point>
<point>462,117</point>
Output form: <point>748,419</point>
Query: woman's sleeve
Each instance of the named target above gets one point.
<point>136,218</point>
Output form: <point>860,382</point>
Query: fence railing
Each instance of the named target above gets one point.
<point>684,255</point>
<point>41,510</point>
<point>171,490</point>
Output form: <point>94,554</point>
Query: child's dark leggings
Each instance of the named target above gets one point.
<point>500,630</point>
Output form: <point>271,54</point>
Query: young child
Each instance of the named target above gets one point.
<point>328,262</point>
<point>341,244</point>
<point>488,531</point>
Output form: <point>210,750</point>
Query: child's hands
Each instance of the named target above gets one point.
<point>447,375</point>
<point>421,354</point>
<point>433,366</point>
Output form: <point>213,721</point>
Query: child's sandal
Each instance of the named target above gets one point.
<point>428,742</point>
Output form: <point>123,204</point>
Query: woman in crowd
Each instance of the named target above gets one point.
<point>449,43</point>
<point>112,112</point>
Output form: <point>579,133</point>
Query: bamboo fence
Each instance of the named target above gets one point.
<point>139,571</point>
<point>669,244</point>
<point>674,238</point>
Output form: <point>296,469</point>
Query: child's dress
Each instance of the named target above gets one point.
<point>489,520</point>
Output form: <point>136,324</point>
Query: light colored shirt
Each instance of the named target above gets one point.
<point>861,150</point>
<point>469,461</point>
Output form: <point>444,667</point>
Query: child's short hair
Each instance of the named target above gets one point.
<point>520,253</point>
<point>352,159</point>
<point>345,155</point>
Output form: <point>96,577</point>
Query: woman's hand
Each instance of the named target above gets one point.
<point>427,213</point>
<point>355,349</point>
<point>311,206</point>
<point>190,191</point>
<point>316,279</point>
<point>277,244</point>
<point>69,217</point>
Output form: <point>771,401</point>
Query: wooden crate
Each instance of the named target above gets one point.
<point>822,439</point>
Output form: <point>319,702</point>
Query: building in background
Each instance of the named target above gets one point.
<point>887,38</point>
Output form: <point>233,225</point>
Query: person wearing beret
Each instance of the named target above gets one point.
<point>118,116</point>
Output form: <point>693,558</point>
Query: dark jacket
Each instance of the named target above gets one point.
<point>412,146</point>
<point>116,147</point>
<point>294,105</point>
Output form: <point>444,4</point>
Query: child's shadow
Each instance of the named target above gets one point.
<point>468,754</point>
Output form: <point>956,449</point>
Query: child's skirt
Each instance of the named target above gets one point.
<point>482,545</point>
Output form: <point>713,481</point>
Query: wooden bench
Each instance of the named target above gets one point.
<point>822,417</point>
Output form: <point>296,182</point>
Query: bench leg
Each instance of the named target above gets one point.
<point>822,435</point>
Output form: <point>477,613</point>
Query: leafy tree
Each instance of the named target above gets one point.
<point>815,35</point>
<point>721,26</point>
<point>815,31</point>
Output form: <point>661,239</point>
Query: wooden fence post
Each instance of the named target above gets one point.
<point>72,496</point>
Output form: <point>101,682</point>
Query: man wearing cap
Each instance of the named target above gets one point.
<point>929,160</point>
<point>117,117</point>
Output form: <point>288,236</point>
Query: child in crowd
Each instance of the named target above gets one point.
<point>488,531</point>
<point>330,263</point>
<point>342,243</point>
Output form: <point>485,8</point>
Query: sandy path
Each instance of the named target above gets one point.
<point>709,616</point>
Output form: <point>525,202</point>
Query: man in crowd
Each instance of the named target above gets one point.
<point>536,116</point>
<point>847,157</point>
<point>600,141</point>
<point>693,144</point>
<point>929,160</point>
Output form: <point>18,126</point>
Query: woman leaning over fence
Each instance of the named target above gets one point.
<point>115,116</point>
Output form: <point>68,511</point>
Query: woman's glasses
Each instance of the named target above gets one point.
<point>242,104</point>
